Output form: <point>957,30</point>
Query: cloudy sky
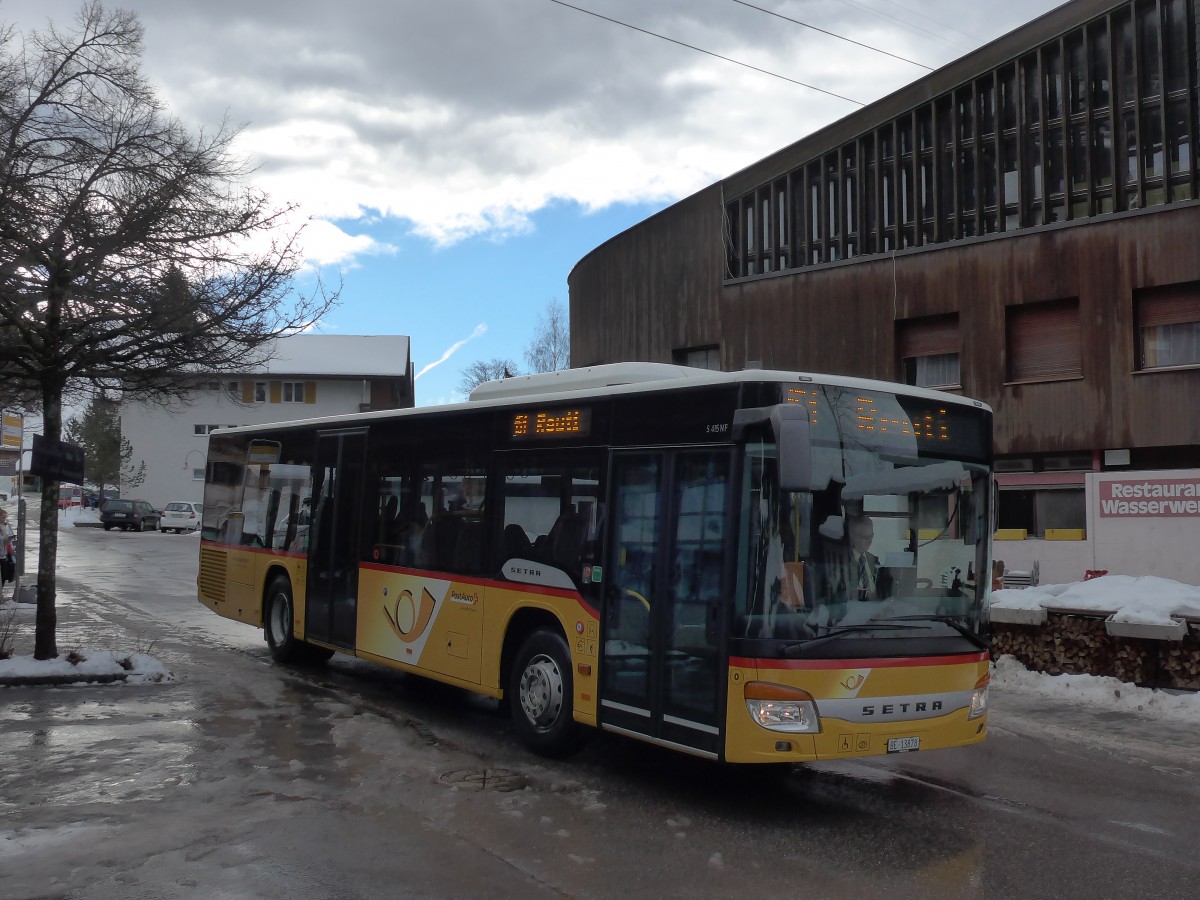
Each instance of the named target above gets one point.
<point>458,157</point>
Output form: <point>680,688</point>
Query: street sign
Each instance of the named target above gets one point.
<point>10,431</point>
<point>56,460</point>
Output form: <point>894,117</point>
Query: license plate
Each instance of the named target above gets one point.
<point>903,745</point>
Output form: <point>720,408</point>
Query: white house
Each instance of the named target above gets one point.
<point>307,375</point>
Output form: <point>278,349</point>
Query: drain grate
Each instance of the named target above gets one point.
<point>484,780</point>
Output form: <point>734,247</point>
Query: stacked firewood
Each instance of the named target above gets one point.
<point>1079,645</point>
<point>1181,663</point>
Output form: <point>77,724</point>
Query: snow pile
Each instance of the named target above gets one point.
<point>1100,692</point>
<point>1144,599</point>
<point>69,518</point>
<point>84,664</point>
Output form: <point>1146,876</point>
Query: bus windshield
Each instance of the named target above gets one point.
<point>885,553</point>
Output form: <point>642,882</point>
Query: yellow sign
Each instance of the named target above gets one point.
<point>10,432</point>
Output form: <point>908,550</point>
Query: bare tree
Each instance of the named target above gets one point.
<point>478,372</point>
<point>132,251</point>
<point>550,349</point>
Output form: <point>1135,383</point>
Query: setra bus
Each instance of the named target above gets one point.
<point>749,567</point>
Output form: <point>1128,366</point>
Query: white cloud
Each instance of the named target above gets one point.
<point>465,117</point>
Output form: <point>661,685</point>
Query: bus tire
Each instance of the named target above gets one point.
<point>279,618</point>
<point>541,695</point>
<point>279,623</point>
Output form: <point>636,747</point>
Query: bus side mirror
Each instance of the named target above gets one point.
<point>791,427</point>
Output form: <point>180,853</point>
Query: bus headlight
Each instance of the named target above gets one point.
<point>979,698</point>
<point>780,708</point>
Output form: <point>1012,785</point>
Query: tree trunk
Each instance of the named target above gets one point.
<point>45,640</point>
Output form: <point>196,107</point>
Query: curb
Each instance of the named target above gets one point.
<point>57,680</point>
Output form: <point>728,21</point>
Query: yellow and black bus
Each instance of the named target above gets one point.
<point>750,567</point>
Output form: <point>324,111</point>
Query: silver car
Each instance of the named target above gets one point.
<point>180,516</point>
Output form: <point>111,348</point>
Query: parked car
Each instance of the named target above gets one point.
<point>180,516</point>
<point>132,515</point>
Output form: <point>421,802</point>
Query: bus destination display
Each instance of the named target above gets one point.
<point>550,423</point>
<point>895,420</point>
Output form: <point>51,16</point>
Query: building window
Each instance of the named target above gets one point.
<point>928,349</point>
<point>699,358</point>
<point>260,392</point>
<point>937,371</point>
<point>1044,341</point>
<point>293,392</point>
<point>197,474</point>
<point>1036,509</point>
<point>199,429</point>
<point>1168,326</point>
<point>233,389</point>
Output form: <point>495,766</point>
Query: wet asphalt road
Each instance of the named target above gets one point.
<point>245,779</point>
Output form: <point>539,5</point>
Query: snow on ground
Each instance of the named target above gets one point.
<point>1100,693</point>
<point>135,667</point>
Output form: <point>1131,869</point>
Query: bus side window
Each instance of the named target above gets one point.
<point>550,511</point>
<point>393,527</point>
<point>455,539</point>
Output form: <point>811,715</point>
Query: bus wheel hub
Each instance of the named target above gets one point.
<point>541,691</point>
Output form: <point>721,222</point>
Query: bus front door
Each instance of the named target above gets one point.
<point>331,600</point>
<point>661,672</point>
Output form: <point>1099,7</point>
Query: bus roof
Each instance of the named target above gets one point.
<point>613,379</point>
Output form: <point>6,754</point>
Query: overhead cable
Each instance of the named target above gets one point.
<point>916,29</point>
<point>811,87</point>
<point>770,12</point>
<point>908,9</point>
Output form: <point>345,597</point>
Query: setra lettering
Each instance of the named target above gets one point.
<point>893,709</point>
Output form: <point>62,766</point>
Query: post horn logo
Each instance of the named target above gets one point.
<point>410,619</point>
<point>854,682</point>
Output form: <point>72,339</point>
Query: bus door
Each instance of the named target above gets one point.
<point>669,546</point>
<point>331,606</point>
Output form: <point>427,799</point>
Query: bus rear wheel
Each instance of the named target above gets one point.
<point>279,623</point>
<point>541,695</point>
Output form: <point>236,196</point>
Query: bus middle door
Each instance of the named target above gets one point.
<point>331,598</point>
<point>661,674</point>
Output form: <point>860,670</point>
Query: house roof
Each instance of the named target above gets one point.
<point>340,356</point>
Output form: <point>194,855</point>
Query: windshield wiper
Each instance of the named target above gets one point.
<point>838,632</point>
<point>952,621</point>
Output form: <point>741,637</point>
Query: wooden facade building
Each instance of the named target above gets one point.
<point>1021,226</point>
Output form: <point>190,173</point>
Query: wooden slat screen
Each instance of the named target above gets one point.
<point>1173,305</point>
<point>1044,341</point>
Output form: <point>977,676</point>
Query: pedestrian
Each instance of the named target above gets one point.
<point>8,552</point>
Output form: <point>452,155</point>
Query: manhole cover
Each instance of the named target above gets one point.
<point>484,780</point>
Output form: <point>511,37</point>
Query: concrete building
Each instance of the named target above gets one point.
<point>1019,226</point>
<point>308,375</point>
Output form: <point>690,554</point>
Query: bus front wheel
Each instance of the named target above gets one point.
<point>541,695</point>
<point>279,624</point>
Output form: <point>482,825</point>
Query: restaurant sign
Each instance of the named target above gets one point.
<point>1150,497</point>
